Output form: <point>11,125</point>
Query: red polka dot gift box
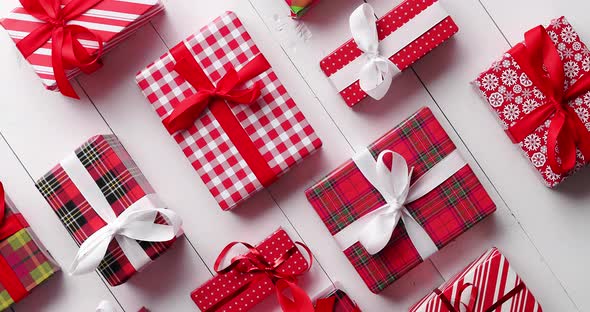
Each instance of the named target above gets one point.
<point>539,92</point>
<point>271,267</point>
<point>401,199</point>
<point>382,48</point>
<point>223,104</point>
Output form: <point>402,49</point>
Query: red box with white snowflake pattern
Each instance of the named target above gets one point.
<point>276,127</point>
<point>512,95</point>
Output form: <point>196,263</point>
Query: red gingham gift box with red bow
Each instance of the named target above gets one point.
<point>228,148</point>
<point>120,182</point>
<point>487,284</point>
<point>447,211</point>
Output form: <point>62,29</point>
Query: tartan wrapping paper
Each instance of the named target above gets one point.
<point>511,95</point>
<point>300,7</point>
<point>111,20</point>
<point>220,287</point>
<point>27,257</point>
<point>386,25</point>
<point>345,195</point>
<point>275,125</point>
<point>122,184</point>
<point>494,277</point>
<point>342,302</point>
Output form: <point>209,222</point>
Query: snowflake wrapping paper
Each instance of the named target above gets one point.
<point>300,7</point>
<point>402,40</point>
<point>345,195</point>
<point>111,20</point>
<point>120,181</point>
<point>512,95</point>
<point>488,284</point>
<point>236,149</point>
<point>335,300</point>
<point>24,261</point>
<point>240,291</point>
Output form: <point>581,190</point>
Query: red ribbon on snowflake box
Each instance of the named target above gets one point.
<point>539,90</point>
<point>61,38</point>
<point>226,108</point>
<point>488,284</point>
<point>381,49</point>
<point>272,266</point>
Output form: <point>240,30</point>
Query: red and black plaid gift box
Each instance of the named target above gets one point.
<point>24,261</point>
<point>455,205</point>
<point>335,300</point>
<point>120,181</point>
<point>237,149</point>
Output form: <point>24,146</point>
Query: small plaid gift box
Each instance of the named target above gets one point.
<point>395,41</point>
<point>103,200</point>
<point>335,300</point>
<point>270,267</point>
<point>93,27</point>
<point>539,92</point>
<point>300,7</point>
<point>24,262</point>
<point>239,139</point>
<point>413,173</point>
<point>486,285</point>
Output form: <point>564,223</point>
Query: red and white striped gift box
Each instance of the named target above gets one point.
<point>487,284</point>
<point>111,20</point>
<point>406,34</point>
<point>273,126</point>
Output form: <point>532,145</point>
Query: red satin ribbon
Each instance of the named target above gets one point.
<point>216,97</point>
<point>254,262</point>
<point>540,60</point>
<point>8,227</point>
<point>66,50</point>
<point>470,307</point>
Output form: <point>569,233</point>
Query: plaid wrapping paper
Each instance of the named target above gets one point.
<point>111,20</point>
<point>122,184</point>
<point>511,95</point>
<point>27,257</point>
<point>342,302</point>
<point>218,288</point>
<point>275,125</point>
<point>494,278</point>
<point>446,212</point>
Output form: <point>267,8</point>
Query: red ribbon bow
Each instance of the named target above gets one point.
<point>540,60</point>
<point>470,307</point>
<point>66,50</point>
<point>255,263</point>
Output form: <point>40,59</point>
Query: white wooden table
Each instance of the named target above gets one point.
<point>543,232</point>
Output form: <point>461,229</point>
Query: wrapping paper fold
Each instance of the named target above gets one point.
<point>114,176</point>
<point>237,149</point>
<point>345,196</point>
<point>488,284</point>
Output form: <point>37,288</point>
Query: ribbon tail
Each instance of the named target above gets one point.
<point>91,253</point>
<point>105,306</point>
<point>377,233</point>
<point>184,116</point>
<point>301,301</point>
<point>58,41</point>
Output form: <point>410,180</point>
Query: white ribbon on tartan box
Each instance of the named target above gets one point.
<point>133,224</point>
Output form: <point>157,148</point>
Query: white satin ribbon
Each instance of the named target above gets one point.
<point>375,71</point>
<point>105,306</point>
<point>374,230</point>
<point>135,223</point>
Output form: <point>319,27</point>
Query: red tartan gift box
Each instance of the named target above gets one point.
<point>99,194</point>
<point>94,23</point>
<point>335,300</point>
<point>488,284</point>
<point>273,264</point>
<point>226,108</point>
<point>24,261</point>
<point>443,198</point>
<point>543,102</point>
<point>405,34</point>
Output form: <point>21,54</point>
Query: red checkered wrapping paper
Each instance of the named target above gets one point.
<point>446,212</point>
<point>24,255</point>
<point>121,183</point>
<point>511,95</point>
<point>495,283</point>
<point>387,26</point>
<point>219,289</point>
<point>111,20</point>
<point>274,124</point>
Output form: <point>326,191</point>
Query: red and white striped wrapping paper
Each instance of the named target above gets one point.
<point>401,39</point>
<point>493,278</point>
<point>274,124</point>
<point>111,20</point>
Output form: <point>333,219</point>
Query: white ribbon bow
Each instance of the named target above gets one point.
<point>105,306</point>
<point>377,73</point>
